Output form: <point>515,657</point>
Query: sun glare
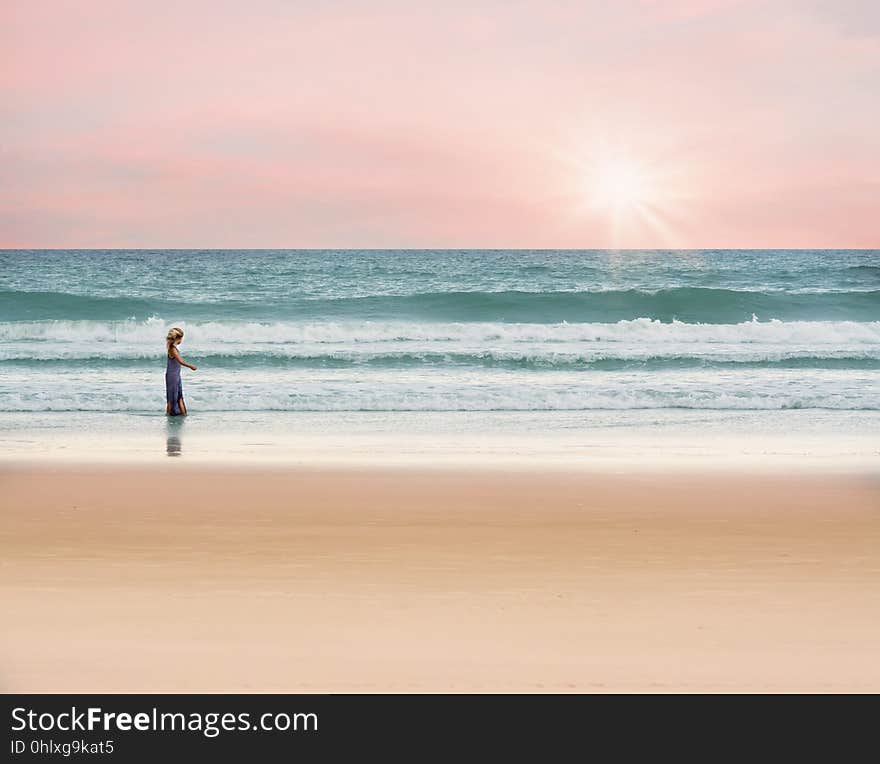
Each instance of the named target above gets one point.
<point>633,193</point>
<point>619,185</point>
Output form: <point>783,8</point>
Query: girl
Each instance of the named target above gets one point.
<point>173,386</point>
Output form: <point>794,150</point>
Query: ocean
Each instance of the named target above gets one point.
<point>590,337</point>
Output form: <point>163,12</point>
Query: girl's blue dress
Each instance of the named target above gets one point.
<point>173,385</point>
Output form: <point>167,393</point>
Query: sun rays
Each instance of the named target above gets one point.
<point>634,195</point>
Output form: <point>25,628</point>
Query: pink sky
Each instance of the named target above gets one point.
<point>276,123</point>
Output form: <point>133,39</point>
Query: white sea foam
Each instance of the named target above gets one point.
<point>638,338</point>
<point>439,366</point>
<point>444,390</point>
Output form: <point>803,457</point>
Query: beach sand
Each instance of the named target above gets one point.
<point>181,578</point>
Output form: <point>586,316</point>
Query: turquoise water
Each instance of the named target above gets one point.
<point>435,331</point>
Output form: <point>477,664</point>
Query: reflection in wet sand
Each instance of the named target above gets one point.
<point>173,439</point>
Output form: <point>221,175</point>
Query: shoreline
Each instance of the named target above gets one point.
<point>117,578</point>
<point>676,466</point>
<point>666,441</point>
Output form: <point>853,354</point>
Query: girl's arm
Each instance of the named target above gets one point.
<point>176,354</point>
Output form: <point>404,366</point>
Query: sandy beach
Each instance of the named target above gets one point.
<point>191,578</point>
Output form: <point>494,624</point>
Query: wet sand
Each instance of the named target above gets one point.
<point>182,578</point>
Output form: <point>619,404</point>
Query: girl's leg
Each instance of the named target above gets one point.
<point>168,408</point>
<point>182,407</point>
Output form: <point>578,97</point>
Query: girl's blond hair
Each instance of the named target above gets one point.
<point>173,335</point>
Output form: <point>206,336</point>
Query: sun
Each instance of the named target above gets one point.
<point>621,191</point>
<point>619,185</point>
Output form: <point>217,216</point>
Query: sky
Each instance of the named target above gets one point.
<point>439,124</point>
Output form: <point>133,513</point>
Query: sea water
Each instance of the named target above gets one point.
<point>539,342</point>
